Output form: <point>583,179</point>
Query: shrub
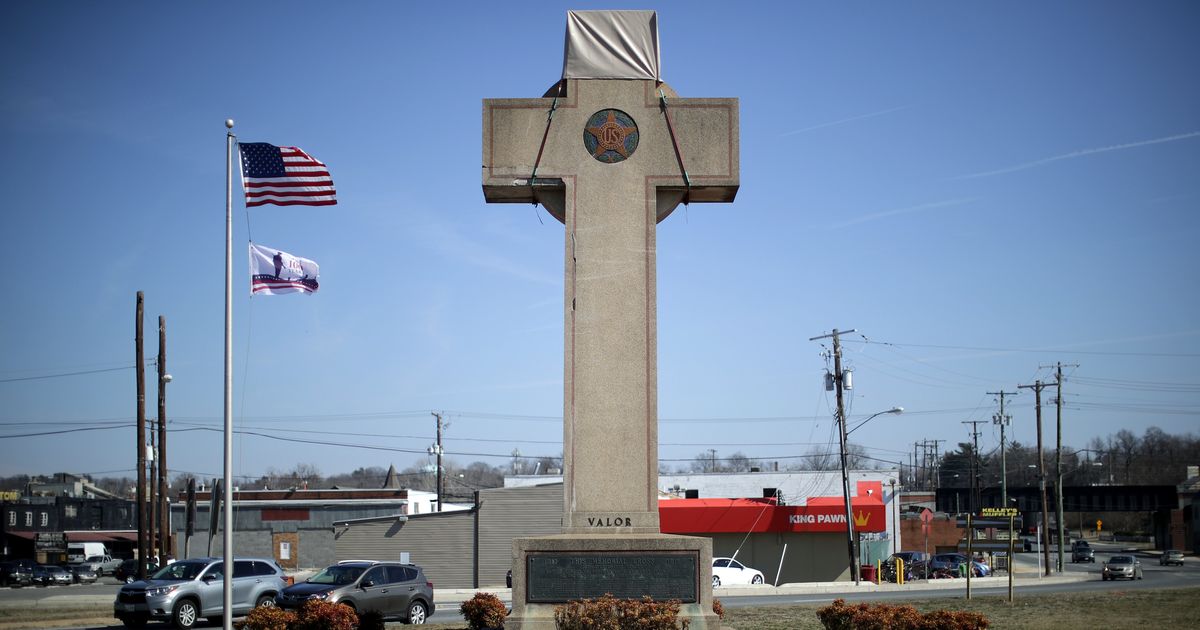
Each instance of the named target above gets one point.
<point>610,613</point>
<point>957,620</point>
<point>268,618</point>
<point>484,610</point>
<point>718,608</point>
<point>319,615</point>
<point>371,620</point>
<point>840,616</point>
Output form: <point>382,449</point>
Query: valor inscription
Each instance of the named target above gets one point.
<point>556,578</point>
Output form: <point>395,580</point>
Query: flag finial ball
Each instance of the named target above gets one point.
<point>229,123</point>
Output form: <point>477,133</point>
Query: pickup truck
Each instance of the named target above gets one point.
<point>102,565</point>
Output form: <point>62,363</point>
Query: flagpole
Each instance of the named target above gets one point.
<point>227,539</point>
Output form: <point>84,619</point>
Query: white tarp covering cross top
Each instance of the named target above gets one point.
<point>612,45</point>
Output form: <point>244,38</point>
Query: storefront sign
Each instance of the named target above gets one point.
<point>50,542</point>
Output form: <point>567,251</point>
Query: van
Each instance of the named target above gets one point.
<point>77,552</point>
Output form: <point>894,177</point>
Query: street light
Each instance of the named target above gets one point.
<point>850,534</point>
<point>895,410</point>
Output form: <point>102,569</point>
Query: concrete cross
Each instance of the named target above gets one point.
<point>612,165</point>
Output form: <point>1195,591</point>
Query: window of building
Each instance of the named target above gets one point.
<point>28,519</point>
<point>45,519</point>
<point>70,511</point>
<point>12,519</point>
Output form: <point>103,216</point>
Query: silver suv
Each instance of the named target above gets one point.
<point>182,592</point>
<point>393,589</point>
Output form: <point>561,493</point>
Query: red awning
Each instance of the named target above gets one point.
<point>101,536</point>
<point>713,516</point>
<point>25,535</point>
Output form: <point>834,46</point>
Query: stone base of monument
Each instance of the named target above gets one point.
<point>552,570</point>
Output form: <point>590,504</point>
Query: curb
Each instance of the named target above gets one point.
<point>451,597</point>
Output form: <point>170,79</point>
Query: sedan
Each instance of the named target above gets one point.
<point>1122,567</point>
<point>82,574</point>
<point>1171,556</point>
<point>45,575</point>
<point>127,572</point>
<point>947,561</point>
<point>729,571</point>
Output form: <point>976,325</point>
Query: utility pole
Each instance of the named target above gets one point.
<point>140,360</point>
<point>1058,490</point>
<point>164,508</point>
<point>973,504</point>
<point>437,450</point>
<point>1003,421</point>
<point>152,488</point>
<point>838,378</point>
<point>937,463</point>
<point>1037,392</point>
<point>913,481</point>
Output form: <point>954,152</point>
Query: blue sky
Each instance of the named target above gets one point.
<point>980,189</point>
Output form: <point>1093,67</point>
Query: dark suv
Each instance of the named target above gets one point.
<point>15,574</point>
<point>914,563</point>
<point>393,589</point>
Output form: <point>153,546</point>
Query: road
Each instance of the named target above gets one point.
<point>1156,576</point>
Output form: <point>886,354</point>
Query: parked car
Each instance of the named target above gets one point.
<point>1171,556</point>
<point>82,574</point>
<point>50,575</point>
<point>726,571</point>
<point>127,571</point>
<point>947,562</point>
<point>1122,567</point>
<point>59,576</point>
<point>915,563</point>
<point>1083,553</point>
<point>15,574</point>
<point>391,588</point>
<point>185,591</point>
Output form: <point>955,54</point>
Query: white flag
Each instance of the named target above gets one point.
<point>273,272</point>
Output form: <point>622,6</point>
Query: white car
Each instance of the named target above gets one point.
<point>726,571</point>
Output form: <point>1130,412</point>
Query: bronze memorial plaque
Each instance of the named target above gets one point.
<point>555,578</point>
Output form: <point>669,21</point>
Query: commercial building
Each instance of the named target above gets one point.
<point>799,539</point>
<point>293,526</point>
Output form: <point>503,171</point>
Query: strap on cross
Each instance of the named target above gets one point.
<point>545,134</point>
<point>678,154</point>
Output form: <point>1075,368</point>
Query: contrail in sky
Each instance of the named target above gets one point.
<point>844,120</point>
<point>1081,153</point>
<point>910,209</point>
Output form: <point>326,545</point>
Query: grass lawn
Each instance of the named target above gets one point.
<point>1170,608</point>
<point>1166,608</point>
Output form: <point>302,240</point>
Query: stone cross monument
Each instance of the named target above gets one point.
<point>610,151</point>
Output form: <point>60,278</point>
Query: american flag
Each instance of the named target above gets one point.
<point>284,176</point>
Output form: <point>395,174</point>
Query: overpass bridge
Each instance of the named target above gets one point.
<point>1159,501</point>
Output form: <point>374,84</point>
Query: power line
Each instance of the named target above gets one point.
<point>64,374</point>
<point>1034,350</point>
